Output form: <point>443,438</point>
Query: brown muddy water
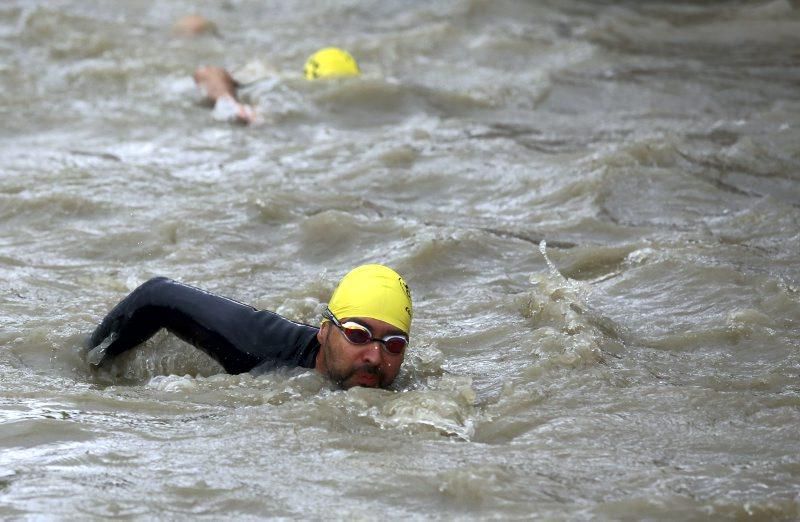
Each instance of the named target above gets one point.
<point>596,205</point>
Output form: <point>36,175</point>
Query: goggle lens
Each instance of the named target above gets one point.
<point>395,345</point>
<point>356,334</point>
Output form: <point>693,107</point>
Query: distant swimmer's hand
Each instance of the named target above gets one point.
<point>229,109</point>
<point>247,114</point>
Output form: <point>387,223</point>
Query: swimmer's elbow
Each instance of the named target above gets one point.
<point>150,292</point>
<point>154,284</point>
<point>153,281</point>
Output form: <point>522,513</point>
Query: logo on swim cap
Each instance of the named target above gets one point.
<point>374,292</point>
<point>330,62</point>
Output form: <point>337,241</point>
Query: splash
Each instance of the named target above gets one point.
<point>447,407</point>
<point>568,333</point>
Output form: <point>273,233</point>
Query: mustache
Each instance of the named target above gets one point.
<point>367,368</point>
<point>363,368</point>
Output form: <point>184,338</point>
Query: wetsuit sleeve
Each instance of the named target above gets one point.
<point>238,336</point>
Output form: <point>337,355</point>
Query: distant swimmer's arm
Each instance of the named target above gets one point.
<point>238,336</point>
<point>219,88</point>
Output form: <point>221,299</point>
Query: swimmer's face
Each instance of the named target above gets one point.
<point>349,364</point>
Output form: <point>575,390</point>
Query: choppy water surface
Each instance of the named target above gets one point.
<point>596,204</point>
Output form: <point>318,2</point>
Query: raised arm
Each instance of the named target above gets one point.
<point>238,336</point>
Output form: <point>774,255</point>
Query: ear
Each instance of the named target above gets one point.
<point>323,331</point>
<point>319,363</point>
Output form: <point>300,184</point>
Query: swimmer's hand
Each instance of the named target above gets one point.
<point>97,354</point>
<point>228,109</point>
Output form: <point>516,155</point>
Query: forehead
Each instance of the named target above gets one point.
<point>377,327</point>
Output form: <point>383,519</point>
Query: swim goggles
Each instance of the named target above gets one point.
<point>359,334</point>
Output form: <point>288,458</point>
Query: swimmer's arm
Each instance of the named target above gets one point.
<point>219,88</point>
<point>238,336</point>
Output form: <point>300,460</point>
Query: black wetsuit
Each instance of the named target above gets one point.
<point>238,336</point>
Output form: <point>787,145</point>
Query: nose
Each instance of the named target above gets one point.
<point>372,353</point>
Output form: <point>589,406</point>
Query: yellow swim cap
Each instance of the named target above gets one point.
<point>330,62</point>
<point>375,292</point>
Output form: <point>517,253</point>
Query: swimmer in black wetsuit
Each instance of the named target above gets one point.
<point>361,341</point>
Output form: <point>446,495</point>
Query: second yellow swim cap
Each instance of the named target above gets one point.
<point>330,62</point>
<point>375,292</point>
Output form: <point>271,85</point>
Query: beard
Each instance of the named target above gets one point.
<point>343,376</point>
<point>363,369</point>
